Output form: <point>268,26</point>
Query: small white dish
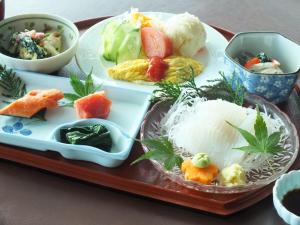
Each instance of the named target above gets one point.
<point>89,55</point>
<point>120,150</point>
<point>70,37</point>
<point>126,114</point>
<point>283,185</point>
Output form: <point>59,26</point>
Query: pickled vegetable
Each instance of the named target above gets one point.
<point>95,135</point>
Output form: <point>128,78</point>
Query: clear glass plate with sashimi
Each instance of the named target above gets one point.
<point>217,138</point>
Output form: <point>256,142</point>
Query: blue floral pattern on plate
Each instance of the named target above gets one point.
<point>17,128</point>
<point>274,88</point>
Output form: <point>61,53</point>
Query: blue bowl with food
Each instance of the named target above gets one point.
<point>267,63</point>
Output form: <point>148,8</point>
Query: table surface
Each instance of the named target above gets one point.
<point>35,197</point>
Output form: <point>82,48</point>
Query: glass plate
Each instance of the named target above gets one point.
<point>256,178</point>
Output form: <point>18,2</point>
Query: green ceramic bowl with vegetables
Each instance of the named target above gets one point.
<point>37,42</point>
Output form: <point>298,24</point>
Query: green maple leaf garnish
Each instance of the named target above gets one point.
<point>261,142</point>
<point>160,149</point>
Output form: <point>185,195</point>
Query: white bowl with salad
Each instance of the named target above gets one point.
<point>37,42</point>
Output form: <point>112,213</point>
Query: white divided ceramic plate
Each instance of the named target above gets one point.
<point>127,112</point>
<point>89,55</point>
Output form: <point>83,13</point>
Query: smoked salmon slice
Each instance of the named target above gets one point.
<point>33,102</point>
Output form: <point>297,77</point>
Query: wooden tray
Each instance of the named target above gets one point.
<point>143,179</point>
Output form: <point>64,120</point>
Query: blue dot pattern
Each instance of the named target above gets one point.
<point>17,127</point>
<point>26,132</point>
<point>8,129</point>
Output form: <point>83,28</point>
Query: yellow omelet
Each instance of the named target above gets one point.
<point>136,70</point>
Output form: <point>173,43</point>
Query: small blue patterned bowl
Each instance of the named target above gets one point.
<point>273,87</point>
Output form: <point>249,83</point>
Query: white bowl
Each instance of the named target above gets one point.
<point>70,39</point>
<point>283,185</point>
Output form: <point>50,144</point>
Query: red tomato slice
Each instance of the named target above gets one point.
<point>157,69</point>
<point>156,43</point>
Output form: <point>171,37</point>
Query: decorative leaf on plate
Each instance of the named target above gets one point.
<point>162,150</point>
<point>260,142</point>
<point>230,89</point>
<point>81,88</point>
<point>13,86</point>
<point>71,96</point>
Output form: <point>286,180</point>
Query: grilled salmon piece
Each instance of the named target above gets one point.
<point>33,102</point>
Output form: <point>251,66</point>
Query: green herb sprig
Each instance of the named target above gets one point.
<point>230,89</point>
<point>261,142</point>
<point>161,149</point>
<point>13,86</point>
<point>169,91</point>
<point>81,88</point>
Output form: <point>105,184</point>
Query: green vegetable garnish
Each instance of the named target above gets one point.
<point>31,48</point>
<point>95,135</point>
<point>201,160</point>
<point>263,57</point>
<point>168,91</point>
<point>261,142</point>
<point>13,86</point>
<point>229,89</point>
<point>81,88</point>
<point>162,150</point>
